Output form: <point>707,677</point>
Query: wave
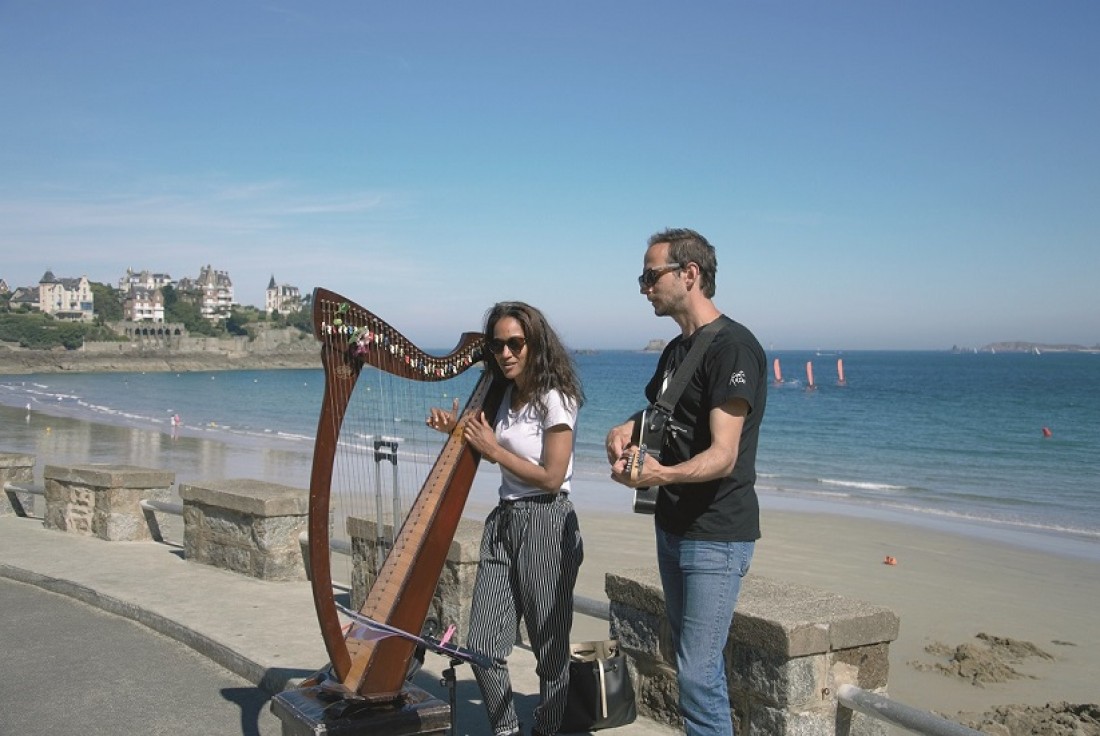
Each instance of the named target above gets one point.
<point>862,485</point>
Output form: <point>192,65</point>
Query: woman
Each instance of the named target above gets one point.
<point>531,548</point>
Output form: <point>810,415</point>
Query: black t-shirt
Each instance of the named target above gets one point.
<point>734,366</point>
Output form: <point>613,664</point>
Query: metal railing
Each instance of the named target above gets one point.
<point>898,714</point>
<point>14,489</point>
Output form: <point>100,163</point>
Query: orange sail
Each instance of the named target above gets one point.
<point>810,375</point>
<point>840,372</point>
<point>778,373</point>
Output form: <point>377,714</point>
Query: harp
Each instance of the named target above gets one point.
<point>354,343</point>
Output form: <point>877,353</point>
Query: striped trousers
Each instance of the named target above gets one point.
<point>530,553</point>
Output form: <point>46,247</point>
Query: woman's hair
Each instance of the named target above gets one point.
<point>548,362</point>
<point>687,246</point>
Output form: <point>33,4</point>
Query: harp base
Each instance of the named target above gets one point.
<point>319,709</point>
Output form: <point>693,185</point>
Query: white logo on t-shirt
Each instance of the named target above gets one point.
<point>738,378</point>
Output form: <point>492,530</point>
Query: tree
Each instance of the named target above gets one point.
<point>108,303</point>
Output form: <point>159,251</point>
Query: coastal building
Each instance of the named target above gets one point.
<point>65,298</point>
<point>143,280</point>
<point>215,290</point>
<point>24,296</point>
<point>282,298</point>
<point>143,305</point>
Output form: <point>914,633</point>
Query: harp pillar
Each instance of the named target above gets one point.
<point>310,711</point>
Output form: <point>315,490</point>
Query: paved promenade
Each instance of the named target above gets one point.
<point>263,632</point>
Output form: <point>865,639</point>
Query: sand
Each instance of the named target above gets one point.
<point>984,623</point>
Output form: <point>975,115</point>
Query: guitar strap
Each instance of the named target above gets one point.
<point>666,401</point>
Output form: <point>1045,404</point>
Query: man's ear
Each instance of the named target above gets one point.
<point>691,274</point>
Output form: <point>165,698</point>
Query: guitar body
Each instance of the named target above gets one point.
<point>649,433</point>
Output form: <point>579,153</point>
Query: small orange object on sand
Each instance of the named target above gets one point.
<point>889,561</point>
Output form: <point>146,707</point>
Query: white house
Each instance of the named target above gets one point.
<point>282,298</point>
<point>68,298</point>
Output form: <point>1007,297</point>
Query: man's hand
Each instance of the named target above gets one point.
<point>618,440</point>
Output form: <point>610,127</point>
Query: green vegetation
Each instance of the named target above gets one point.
<point>43,332</point>
<point>107,305</point>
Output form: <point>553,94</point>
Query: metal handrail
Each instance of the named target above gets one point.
<point>13,489</point>
<point>899,714</point>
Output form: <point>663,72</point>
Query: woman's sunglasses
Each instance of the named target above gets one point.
<point>515,345</point>
<point>650,276</point>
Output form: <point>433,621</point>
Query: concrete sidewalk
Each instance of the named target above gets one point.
<point>263,631</point>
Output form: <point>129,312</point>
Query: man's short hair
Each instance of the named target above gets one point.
<point>687,246</point>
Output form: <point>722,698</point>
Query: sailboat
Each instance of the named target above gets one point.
<point>840,372</point>
<point>810,385</point>
<point>778,373</point>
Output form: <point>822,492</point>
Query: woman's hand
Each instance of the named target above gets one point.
<point>443,421</point>
<point>478,433</point>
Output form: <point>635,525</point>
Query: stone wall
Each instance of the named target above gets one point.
<point>103,501</point>
<point>246,526</point>
<point>789,648</point>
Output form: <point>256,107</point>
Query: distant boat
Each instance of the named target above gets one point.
<point>810,386</point>
<point>778,373</point>
<point>1036,350</point>
<point>840,372</point>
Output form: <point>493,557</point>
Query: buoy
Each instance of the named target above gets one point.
<point>1047,432</point>
<point>889,560</point>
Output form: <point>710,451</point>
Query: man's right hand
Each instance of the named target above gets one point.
<point>618,439</point>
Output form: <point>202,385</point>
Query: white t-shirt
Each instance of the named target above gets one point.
<point>521,432</point>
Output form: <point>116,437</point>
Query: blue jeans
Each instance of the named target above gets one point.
<point>702,580</point>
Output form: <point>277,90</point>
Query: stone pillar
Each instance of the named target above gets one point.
<point>788,650</point>
<point>15,467</point>
<point>451,602</point>
<point>246,526</point>
<point>103,500</point>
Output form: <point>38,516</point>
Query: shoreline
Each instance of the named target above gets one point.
<point>291,458</point>
<point>947,587</point>
<point>16,361</point>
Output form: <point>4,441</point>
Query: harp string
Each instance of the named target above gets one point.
<point>385,453</point>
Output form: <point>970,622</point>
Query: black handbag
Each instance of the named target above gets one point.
<point>601,693</point>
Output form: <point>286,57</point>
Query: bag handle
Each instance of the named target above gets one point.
<point>590,651</point>
<point>600,663</point>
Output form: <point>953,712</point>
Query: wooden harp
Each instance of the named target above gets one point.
<point>355,342</point>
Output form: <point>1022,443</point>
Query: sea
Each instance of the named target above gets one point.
<point>1004,445</point>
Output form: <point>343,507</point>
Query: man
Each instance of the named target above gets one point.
<point>707,517</point>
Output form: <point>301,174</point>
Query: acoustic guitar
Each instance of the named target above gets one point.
<point>649,433</point>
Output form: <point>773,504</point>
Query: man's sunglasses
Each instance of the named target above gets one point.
<point>650,276</point>
<point>515,345</point>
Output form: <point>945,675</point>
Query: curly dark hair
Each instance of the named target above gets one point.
<point>548,361</point>
<point>687,246</point>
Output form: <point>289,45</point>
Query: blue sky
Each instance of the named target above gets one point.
<point>874,174</point>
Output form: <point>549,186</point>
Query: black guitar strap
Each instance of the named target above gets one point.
<point>666,401</point>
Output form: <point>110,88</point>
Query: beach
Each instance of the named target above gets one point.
<point>951,587</point>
